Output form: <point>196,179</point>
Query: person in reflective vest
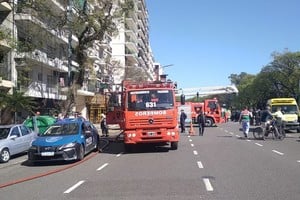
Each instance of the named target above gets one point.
<point>244,119</point>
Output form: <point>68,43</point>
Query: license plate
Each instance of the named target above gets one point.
<point>47,153</point>
<point>151,133</point>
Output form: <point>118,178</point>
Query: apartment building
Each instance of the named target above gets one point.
<point>7,68</point>
<point>131,47</point>
<point>44,60</point>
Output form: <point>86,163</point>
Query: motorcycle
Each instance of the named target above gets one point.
<point>273,127</point>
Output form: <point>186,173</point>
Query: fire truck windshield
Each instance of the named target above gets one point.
<point>150,100</point>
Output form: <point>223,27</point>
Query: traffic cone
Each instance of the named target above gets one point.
<point>191,131</point>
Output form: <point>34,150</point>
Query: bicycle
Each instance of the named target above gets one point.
<point>273,127</point>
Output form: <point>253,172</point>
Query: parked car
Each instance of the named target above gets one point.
<point>67,139</point>
<point>14,139</point>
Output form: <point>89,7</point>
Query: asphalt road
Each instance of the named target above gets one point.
<point>219,165</point>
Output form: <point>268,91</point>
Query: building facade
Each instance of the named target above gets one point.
<point>41,65</point>
<point>8,75</point>
<point>131,47</point>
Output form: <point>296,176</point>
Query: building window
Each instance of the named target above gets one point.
<point>40,77</point>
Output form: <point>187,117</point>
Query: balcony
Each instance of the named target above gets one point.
<point>131,47</point>
<point>37,56</point>
<point>4,46</point>
<point>5,83</point>
<point>42,90</point>
<point>93,54</point>
<point>5,7</point>
<point>27,22</point>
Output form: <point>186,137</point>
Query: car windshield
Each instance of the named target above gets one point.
<point>62,129</point>
<point>150,100</point>
<point>286,109</point>
<point>4,132</point>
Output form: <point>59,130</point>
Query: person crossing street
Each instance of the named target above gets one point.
<point>244,119</point>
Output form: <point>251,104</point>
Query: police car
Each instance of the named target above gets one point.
<point>67,139</point>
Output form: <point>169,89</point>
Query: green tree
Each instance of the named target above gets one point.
<point>10,104</point>
<point>243,82</point>
<point>283,74</point>
<point>279,78</point>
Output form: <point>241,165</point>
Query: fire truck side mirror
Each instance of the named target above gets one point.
<point>182,99</point>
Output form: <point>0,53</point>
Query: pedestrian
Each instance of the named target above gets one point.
<point>183,117</point>
<point>244,119</point>
<point>201,122</point>
<point>103,126</point>
<point>279,115</point>
<point>60,117</point>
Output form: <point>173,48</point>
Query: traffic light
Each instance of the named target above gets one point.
<point>197,96</point>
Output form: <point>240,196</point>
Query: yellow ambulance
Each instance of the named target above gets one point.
<point>290,110</point>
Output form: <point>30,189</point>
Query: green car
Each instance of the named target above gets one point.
<point>39,123</point>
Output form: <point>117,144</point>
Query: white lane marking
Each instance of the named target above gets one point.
<point>190,140</point>
<point>278,152</point>
<point>237,136</point>
<point>73,187</point>
<point>192,145</point>
<point>104,165</point>
<point>189,136</point>
<point>118,155</point>
<point>199,163</point>
<point>195,152</point>
<point>226,131</point>
<point>298,161</point>
<point>231,133</point>
<point>207,184</point>
<point>248,140</point>
<point>259,144</point>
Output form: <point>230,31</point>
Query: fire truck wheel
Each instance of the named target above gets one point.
<point>209,122</point>
<point>174,145</point>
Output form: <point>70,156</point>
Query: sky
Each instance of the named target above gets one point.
<point>208,40</point>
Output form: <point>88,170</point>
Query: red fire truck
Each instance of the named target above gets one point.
<point>147,114</point>
<point>210,107</point>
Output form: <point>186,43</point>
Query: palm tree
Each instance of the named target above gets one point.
<point>10,104</point>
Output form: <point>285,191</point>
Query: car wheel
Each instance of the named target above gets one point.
<point>5,155</point>
<point>81,152</point>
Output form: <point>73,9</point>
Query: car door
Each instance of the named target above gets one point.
<point>16,141</point>
<point>27,137</point>
<point>88,136</point>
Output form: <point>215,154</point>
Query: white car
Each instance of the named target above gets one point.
<point>14,139</point>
